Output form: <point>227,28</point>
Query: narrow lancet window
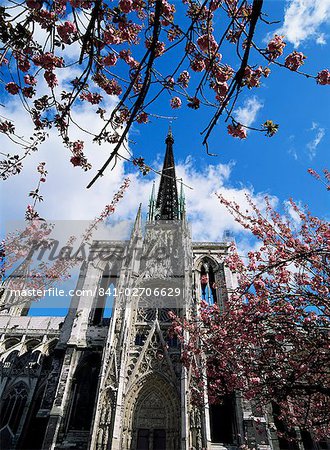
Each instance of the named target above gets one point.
<point>208,285</point>
<point>12,407</point>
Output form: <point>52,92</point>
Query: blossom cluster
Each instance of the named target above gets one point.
<point>323,77</point>
<point>121,47</point>
<point>294,60</point>
<point>18,249</point>
<point>271,338</point>
<point>78,158</point>
<point>275,47</point>
<point>252,78</point>
<point>236,130</point>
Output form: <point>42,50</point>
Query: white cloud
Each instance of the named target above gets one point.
<point>247,113</point>
<point>293,215</point>
<point>313,144</point>
<point>303,19</point>
<point>66,185</point>
<point>208,217</point>
<point>321,39</point>
<point>66,196</point>
<point>292,151</point>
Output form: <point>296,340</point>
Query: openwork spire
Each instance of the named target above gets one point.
<point>152,204</point>
<point>167,204</point>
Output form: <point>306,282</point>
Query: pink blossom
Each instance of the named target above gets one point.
<point>193,103</point>
<point>30,80</point>
<point>110,60</point>
<point>124,115</point>
<point>275,47</point>
<point>252,77</point>
<point>221,89</point>
<point>266,72</point>
<point>294,60</point>
<point>198,64</point>
<point>77,146</point>
<point>142,117</point>
<point>41,168</point>
<point>51,78</point>
<point>111,36</point>
<point>93,98</point>
<point>326,174</point>
<point>12,88</point>
<point>255,380</point>
<point>48,61</point>
<point>159,47</point>
<point>77,160</point>
<point>176,102</point>
<point>169,83</point>
<point>34,4</point>
<point>313,173</point>
<point>67,31</point>
<point>45,18</point>
<point>223,74</point>
<point>81,4</point>
<point>237,131</point>
<point>113,88</point>
<point>184,78</point>
<point>207,43</point>
<point>28,92</point>
<point>126,6</point>
<point>323,77</point>
<point>110,86</point>
<point>168,11</point>
<point>23,63</point>
<point>126,56</point>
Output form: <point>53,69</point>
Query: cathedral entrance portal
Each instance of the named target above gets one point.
<point>154,416</point>
<point>151,416</point>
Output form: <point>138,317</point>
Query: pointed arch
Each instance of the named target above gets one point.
<point>10,359</point>
<point>11,342</point>
<point>152,415</point>
<point>32,344</point>
<point>35,426</point>
<point>208,270</point>
<point>209,260</point>
<point>12,406</point>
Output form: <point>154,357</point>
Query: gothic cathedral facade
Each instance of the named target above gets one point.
<point>90,383</point>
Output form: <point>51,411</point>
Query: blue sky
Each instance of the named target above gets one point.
<point>276,165</point>
<point>259,165</point>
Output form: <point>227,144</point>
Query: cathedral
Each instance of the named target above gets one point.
<point>90,382</point>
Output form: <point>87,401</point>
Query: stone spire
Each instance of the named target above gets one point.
<point>152,204</point>
<point>167,204</point>
<point>137,228</point>
<point>182,202</point>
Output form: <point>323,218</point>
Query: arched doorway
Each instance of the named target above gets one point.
<point>150,421</point>
<point>154,422</point>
